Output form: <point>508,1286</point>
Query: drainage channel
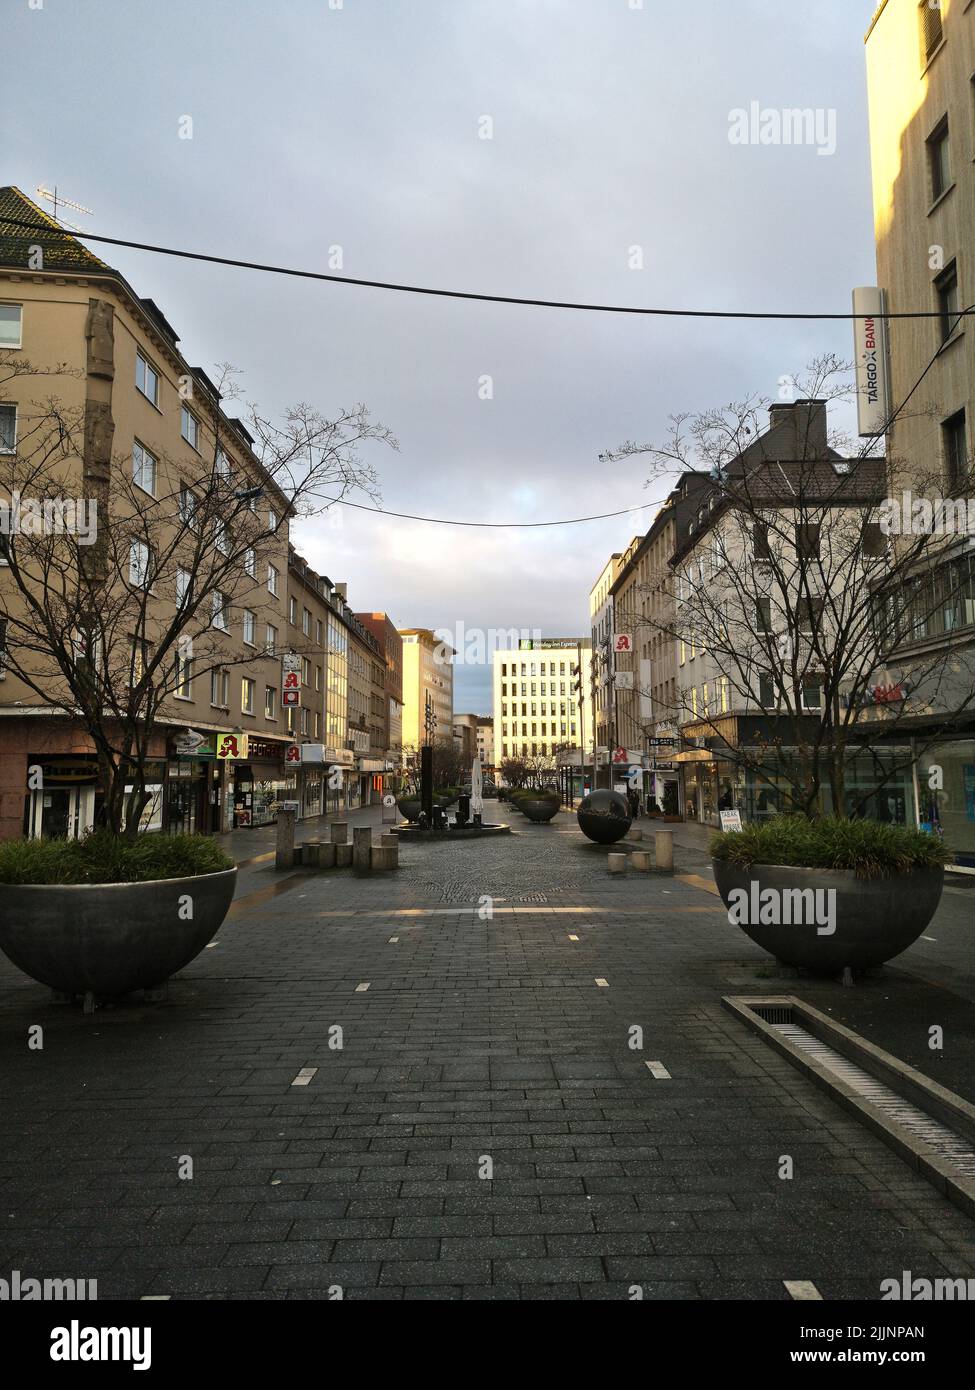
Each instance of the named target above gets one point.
<point>932,1128</point>
<point>942,1139</point>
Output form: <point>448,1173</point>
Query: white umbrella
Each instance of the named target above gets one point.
<point>477,788</point>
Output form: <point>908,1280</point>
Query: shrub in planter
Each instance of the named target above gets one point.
<point>827,894</point>
<point>105,915</point>
<point>540,806</point>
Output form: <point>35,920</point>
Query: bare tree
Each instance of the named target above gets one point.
<point>808,600</point>
<point>107,621</point>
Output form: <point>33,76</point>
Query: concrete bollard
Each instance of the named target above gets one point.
<point>284,849</point>
<point>310,852</point>
<point>663,842</point>
<point>382,857</point>
<point>640,859</point>
<point>343,856</point>
<point>616,863</point>
<point>326,855</point>
<point>633,834</point>
<point>340,832</point>
<point>388,841</point>
<point>361,848</point>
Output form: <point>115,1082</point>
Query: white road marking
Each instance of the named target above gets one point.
<point>155,1297</point>
<point>393,940</point>
<point>573,938</point>
<point>603,984</point>
<point>658,1071</point>
<point>361,989</point>
<point>304,1076</point>
<point>930,938</point>
<point>210,946</point>
<point>803,1290</point>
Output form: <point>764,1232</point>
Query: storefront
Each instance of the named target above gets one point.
<point>259,780</point>
<point>62,797</point>
<point>194,784</point>
<point>341,780</point>
<point>946,794</point>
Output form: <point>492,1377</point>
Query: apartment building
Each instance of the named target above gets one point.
<point>538,713</point>
<point>428,687</point>
<point>484,734</point>
<point>145,427</point>
<point>921,90</point>
<point>600,688</point>
<point>390,642</point>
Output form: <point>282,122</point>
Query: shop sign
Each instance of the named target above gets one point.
<point>264,750</point>
<point>292,754</point>
<point>343,756</point>
<point>623,642</point>
<point>312,753</point>
<point>187,742</point>
<point>730,820</point>
<point>231,747</point>
<point>624,680</point>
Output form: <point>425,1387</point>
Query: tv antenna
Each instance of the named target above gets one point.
<point>58,200</point>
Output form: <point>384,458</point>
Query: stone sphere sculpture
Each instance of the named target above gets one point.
<point>604,816</point>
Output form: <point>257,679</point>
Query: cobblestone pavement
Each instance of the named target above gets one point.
<point>467,1041</point>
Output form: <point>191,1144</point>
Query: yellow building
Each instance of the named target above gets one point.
<point>428,687</point>
<point>537,710</point>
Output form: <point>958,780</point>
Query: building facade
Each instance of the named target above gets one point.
<point>147,425</point>
<point>920,61</point>
<point>390,643</point>
<point>428,687</point>
<point>539,709</point>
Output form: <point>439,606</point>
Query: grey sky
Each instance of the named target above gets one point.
<point>359,127</point>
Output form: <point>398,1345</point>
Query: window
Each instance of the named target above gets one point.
<point>3,647</point>
<point>874,541</point>
<point>183,676</point>
<point>946,288</point>
<point>812,692</point>
<point>272,521</point>
<point>189,427</point>
<point>760,542</point>
<point>306,622</point>
<point>10,325</point>
<point>250,628</point>
<point>939,162</point>
<point>222,466</point>
<point>807,540</point>
<point>932,32</point>
<point>250,562</point>
<point>143,469</point>
<point>272,580</point>
<point>318,632</point>
<point>147,379</point>
<point>318,678</point>
<point>220,537</point>
<point>187,508</point>
<point>8,429</point>
<point>810,614</point>
<point>270,639</point>
<point>305,671</point>
<point>220,688</point>
<point>724,699</point>
<point>763,615</point>
<point>293,612</point>
<point>955,443</point>
<point>138,660</point>
<point>139,564</point>
<point>184,585</point>
<point>247,696</point>
<point>766,692</point>
<point>270,702</point>
<point>220,610</point>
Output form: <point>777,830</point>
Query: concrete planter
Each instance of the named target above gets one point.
<point>410,807</point>
<point>538,809</point>
<point>110,938</point>
<point>874,918</point>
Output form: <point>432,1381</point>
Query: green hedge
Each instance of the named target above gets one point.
<point>873,849</point>
<point>104,858</point>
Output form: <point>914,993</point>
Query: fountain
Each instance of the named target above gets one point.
<point>468,822</point>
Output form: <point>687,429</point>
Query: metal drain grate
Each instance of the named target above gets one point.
<point>943,1140</point>
<point>774,1013</point>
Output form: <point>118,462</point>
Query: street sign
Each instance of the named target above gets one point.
<point>663,742</point>
<point>620,755</point>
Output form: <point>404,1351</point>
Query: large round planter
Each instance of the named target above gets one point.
<point>873,919</point>
<point>539,809</point>
<point>109,938</point>
<point>604,816</point>
<point>410,807</point>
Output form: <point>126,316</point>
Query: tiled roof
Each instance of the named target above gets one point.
<point>62,251</point>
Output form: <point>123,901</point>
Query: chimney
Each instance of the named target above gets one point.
<point>798,430</point>
<point>342,589</point>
